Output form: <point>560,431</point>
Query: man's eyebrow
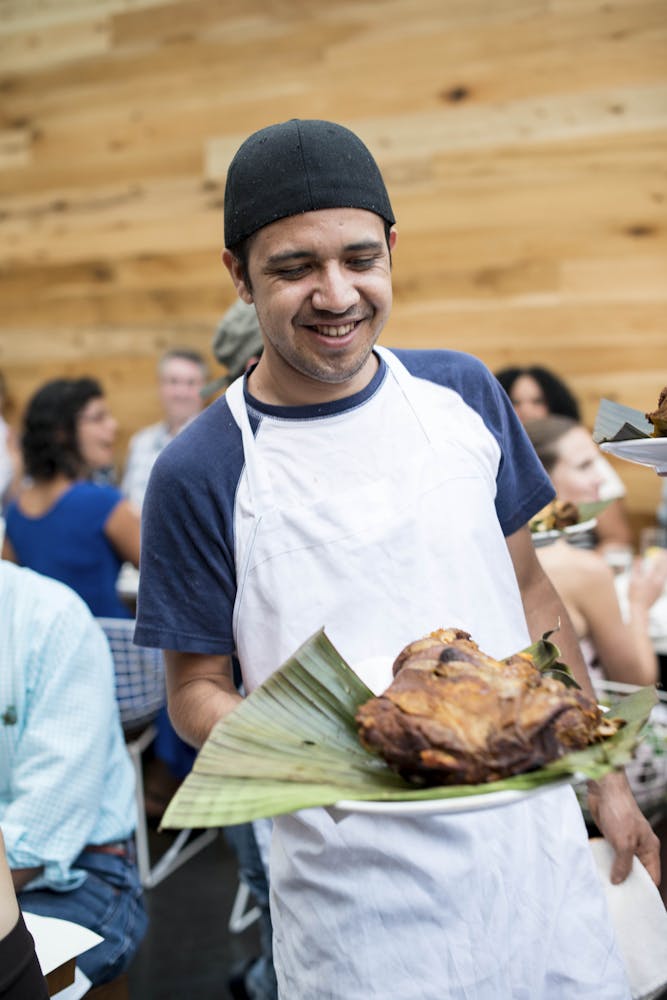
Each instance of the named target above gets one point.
<point>281,258</point>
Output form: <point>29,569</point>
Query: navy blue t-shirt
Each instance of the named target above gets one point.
<point>188,574</point>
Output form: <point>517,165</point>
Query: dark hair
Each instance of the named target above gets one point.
<point>49,438</point>
<point>558,398</point>
<point>241,252</point>
<point>545,435</point>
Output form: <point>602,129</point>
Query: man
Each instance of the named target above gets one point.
<point>67,806</point>
<point>181,376</point>
<point>380,494</point>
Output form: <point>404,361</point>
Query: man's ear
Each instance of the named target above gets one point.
<point>236,272</point>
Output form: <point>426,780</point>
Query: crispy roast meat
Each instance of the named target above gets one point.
<point>659,417</point>
<point>454,715</point>
<point>557,515</point>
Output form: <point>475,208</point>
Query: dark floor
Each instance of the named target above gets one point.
<point>188,951</point>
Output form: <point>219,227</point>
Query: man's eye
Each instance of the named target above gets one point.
<point>361,263</point>
<point>292,273</point>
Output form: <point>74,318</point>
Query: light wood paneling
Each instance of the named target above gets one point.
<point>524,143</point>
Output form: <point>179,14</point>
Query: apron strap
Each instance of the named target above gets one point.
<point>259,484</point>
<point>406,383</point>
<point>261,490</point>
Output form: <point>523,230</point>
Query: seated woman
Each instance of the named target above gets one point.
<point>60,524</point>
<point>537,392</point>
<point>621,650</point>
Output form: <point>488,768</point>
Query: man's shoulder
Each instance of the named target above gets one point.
<point>23,588</point>
<point>440,364</point>
<point>208,447</point>
<point>457,370</point>
<point>462,373</point>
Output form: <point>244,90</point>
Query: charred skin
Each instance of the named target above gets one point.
<point>454,715</point>
<point>659,417</point>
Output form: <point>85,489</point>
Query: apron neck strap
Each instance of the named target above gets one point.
<point>259,484</point>
<point>407,384</point>
<point>258,479</point>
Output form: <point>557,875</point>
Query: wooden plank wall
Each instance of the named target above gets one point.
<point>524,143</point>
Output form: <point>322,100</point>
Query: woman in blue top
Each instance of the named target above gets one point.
<point>61,524</point>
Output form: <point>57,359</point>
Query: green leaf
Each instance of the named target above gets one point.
<point>546,657</point>
<point>591,509</point>
<point>293,744</point>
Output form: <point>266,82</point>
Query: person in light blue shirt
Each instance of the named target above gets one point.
<point>67,807</point>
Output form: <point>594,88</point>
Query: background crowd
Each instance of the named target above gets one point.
<point>72,515</point>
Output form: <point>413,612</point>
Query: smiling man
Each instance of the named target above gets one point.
<point>380,494</point>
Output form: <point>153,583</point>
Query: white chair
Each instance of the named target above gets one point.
<point>140,691</point>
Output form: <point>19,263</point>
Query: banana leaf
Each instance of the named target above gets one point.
<point>293,744</point>
<point>546,657</point>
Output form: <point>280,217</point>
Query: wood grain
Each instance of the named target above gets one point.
<point>524,145</point>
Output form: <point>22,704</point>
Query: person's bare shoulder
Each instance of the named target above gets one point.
<point>581,567</point>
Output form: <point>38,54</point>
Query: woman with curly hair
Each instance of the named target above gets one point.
<point>61,524</point>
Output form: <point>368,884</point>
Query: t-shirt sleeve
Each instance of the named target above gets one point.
<point>522,485</point>
<point>187,580</point>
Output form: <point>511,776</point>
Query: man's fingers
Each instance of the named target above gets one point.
<point>648,852</point>
<point>649,855</point>
<point>622,865</point>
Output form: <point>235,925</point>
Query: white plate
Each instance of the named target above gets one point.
<point>456,804</point>
<point>643,451</point>
<point>571,533</point>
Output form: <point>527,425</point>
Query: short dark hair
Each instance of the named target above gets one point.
<point>49,439</point>
<point>558,398</point>
<point>545,435</point>
<point>241,252</point>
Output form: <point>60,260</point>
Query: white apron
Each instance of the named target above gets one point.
<point>496,905</point>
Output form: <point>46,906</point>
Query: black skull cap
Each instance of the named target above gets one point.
<point>302,165</point>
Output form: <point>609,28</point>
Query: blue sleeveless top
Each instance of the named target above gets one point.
<point>68,544</point>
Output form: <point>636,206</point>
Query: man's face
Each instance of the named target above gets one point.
<point>321,284</point>
<point>180,382</point>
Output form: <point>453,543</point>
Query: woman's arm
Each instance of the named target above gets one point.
<point>8,551</point>
<point>9,910</point>
<point>123,529</point>
<point>624,650</point>
<point>20,974</point>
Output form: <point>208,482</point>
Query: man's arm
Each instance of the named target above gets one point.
<point>69,709</point>
<point>200,691</point>
<point>611,802</point>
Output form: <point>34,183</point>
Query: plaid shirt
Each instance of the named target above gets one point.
<point>144,448</point>
<point>66,779</point>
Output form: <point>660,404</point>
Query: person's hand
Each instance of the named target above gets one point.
<point>647,579</point>
<point>621,822</point>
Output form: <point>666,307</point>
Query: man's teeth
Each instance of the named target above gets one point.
<point>336,331</point>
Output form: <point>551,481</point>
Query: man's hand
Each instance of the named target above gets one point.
<point>622,824</point>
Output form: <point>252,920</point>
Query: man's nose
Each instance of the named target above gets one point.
<point>334,291</point>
